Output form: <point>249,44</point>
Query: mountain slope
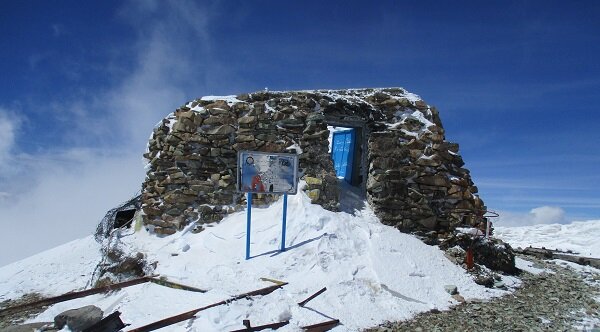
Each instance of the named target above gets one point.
<point>372,272</point>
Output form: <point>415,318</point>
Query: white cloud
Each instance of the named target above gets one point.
<point>72,193</point>
<point>547,215</point>
<point>62,193</point>
<point>538,215</point>
<point>8,126</point>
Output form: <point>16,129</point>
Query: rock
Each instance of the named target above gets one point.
<point>484,280</point>
<point>499,284</point>
<point>313,194</point>
<point>164,230</point>
<point>221,130</point>
<point>451,289</point>
<point>247,120</point>
<point>79,319</point>
<point>429,223</point>
<point>313,181</point>
<point>459,298</point>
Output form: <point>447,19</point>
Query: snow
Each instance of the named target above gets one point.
<point>231,99</point>
<point>51,272</point>
<point>528,266</point>
<point>580,237</point>
<point>373,273</point>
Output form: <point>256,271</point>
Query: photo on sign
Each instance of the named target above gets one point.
<point>262,172</point>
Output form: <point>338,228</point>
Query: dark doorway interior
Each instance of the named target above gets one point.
<point>123,218</point>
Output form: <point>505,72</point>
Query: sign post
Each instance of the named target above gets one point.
<point>248,221</point>
<point>266,173</point>
<point>284,221</point>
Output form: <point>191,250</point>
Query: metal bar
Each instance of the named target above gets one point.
<point>248,220</point>
<point>175,285</point>
<point>190,314</point>
<point>273,326</point>
<point>312,296</point>
<point>75,295</point>
<point>321,327</point>
<point>284,222</point>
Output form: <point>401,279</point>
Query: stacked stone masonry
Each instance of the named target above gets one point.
<point>412,177</point>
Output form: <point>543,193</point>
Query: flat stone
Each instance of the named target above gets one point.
<point>313,181</point>
<point>451,289</point>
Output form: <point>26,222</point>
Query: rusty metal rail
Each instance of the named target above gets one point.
<point>303,303</point>
<point>190,314</point>
<point>273,326</point>
<point>322,327</point>
<point>74,295</point>
<point>97,290</point>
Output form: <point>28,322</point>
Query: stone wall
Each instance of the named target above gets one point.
<point>413,178</point>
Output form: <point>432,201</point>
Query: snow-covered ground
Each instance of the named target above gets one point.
<point>372,272</point>
<point>581,237</point>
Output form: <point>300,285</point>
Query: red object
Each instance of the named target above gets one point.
<point>469,258</point>
<point>257,182</point>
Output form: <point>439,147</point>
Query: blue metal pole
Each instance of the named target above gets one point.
<point>249,217</point>
<point>284,221</point>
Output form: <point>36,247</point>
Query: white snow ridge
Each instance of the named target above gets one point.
<point>372,272</point>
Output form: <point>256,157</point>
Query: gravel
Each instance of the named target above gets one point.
<point>565,300</point>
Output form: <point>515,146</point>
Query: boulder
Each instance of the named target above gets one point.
<point>79,319</point>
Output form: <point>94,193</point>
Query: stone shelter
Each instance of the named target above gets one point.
<point>409,174</point>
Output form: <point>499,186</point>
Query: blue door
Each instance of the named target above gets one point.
<point>342,153</point>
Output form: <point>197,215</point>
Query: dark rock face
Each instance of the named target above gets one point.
<point>413,177</point>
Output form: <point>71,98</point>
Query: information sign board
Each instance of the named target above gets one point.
<point>266,172</point>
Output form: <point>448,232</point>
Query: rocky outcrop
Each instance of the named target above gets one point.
<point>413,178</point>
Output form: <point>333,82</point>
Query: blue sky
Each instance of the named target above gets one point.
<point>83,83</point>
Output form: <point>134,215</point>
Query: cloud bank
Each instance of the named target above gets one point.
<point>62,192</point>
<point>538,215</point>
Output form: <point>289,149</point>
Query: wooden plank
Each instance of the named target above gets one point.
<point>190,314</point>
<point>171,284</point>
<point>74,295</point>
<point>276,282</point>
<point>322,327</point>
<point>312,296</point>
